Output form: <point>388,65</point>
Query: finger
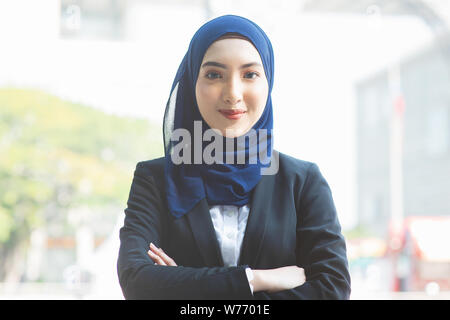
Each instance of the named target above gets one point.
<point>156,258</point>
<point>157,253</point>
<point>160,252</point>
<point>303,275</point>
<point>168,260</point>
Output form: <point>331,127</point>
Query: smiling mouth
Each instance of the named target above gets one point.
<point>232,114</point>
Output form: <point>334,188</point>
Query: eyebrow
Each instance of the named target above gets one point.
<point>220,65</point>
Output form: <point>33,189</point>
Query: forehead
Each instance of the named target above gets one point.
<point>232,48</point>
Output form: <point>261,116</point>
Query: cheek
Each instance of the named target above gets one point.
<point>205,94</point>
<point>257,98</point>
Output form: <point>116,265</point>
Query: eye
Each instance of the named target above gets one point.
<point>212,75</point>
<point>253,75</point>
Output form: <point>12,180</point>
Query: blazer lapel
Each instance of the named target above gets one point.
<point>203,230</point>
<point>260,208</point>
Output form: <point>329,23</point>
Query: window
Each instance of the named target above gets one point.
<point>100,19</point>
<point>438,129</point>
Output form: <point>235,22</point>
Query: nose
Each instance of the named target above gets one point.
<point>232,93</point>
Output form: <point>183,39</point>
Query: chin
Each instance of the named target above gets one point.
<point>235,132</point>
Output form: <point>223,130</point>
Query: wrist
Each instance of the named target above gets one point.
<point>259,282</point>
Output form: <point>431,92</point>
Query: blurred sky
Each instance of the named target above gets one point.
<point>318,58</point>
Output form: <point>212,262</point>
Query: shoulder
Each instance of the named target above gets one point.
<point>151,168</point>
<point>298,174</point>
<point>290,166</point>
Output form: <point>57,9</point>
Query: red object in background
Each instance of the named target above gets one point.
<point>419,251</point>
<point>399,105</point>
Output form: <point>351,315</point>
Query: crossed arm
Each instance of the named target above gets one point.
<point>270,280</point>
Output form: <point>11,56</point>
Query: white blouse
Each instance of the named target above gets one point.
<point>229,223</point>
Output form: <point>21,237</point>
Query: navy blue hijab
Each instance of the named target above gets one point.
<point>220,183</point>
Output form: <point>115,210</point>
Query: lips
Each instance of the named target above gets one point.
<point>232,114</point>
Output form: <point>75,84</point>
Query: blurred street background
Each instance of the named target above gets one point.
<point>364,87</point>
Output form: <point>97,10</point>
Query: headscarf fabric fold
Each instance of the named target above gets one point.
<point>221,182</point>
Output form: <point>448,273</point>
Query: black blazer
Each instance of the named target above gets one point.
<point>292,221</point>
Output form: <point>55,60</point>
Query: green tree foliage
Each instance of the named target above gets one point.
<point>56,155</point>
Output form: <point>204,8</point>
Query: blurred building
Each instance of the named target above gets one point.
<point>403,120</point>
<point>422,99</point>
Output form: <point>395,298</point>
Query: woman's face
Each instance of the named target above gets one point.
<point>232,87</point>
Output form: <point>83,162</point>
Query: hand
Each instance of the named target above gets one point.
<point>160,257</point>
<point>278,279</point>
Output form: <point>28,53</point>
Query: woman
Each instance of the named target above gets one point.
<point>229,218</point>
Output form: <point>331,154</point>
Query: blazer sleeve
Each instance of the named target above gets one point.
<point>140,278</point>
<point>321,248</point>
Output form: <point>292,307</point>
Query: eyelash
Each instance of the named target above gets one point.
<point>213,72</point>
